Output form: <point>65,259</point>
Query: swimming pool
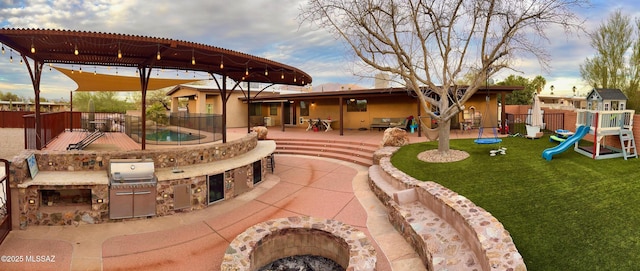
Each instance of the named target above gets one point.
<point>170,136</point>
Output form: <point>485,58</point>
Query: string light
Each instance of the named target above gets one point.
<point>193,58</point>
<point>116,70</point>
<point>50,66</point>
<point>33,48</point>
<point>11,56</point>
<point>3,49</point>
<point>266,71</point>
<point>282,75</point>
<point>158,55</point>
<point>246,71</point>
<point>221,61</point>
<point>80,70</point>
<point>72,72</point>
<point>75,51</point>
<point>94,70</point>
<point>119,52</point>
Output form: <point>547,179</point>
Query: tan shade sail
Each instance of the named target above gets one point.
<point>88,81</point>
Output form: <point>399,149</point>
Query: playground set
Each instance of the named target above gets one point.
<point>599,125</point>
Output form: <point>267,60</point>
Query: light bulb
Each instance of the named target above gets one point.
<point>3,50</point>
<point>266,72</point>
<point>193,60</point>
<point>246,71</point>
<point>80,70</point>
<point>33,49</point>
<point>158,56</point>
<point>75,51</point>
<point>119,53</point>
<point>282,75</point>
<point>221,63</point>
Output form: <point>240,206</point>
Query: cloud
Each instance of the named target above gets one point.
<point>263,28</point>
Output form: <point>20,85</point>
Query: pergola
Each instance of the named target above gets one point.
<point>44,46</point>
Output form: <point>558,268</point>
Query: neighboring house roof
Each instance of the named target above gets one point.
<point>609,94</point>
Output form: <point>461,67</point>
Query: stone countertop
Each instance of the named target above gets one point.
<point>263,148</point>
<point>68,178</point>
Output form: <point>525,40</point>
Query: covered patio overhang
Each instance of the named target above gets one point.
<point>388,93</point>
<point>39,46</point>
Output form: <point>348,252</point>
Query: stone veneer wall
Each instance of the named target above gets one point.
<point>488,238</point>
<point>300,235</point>
<point>79,161</point>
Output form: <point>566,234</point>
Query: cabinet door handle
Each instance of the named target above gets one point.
<point>123,193</point>
<point>142,193</point>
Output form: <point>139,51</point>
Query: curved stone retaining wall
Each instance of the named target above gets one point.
<point>271,240</point>
<point>488,238</point>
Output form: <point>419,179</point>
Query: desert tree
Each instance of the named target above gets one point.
<point>427,45</point>
<point>616,63</point>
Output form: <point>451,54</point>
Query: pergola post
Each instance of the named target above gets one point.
<point>144,84</point>
<point>36,75</point>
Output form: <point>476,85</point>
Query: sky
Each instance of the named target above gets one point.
<point>269,29</point>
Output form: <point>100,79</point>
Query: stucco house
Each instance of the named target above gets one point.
<point>346,109</point>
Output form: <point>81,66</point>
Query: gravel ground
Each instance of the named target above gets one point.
<point>432,156</point>
<point>11,142</point>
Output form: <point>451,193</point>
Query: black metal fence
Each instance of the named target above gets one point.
<point>517,122</point>
<point>176,129</point>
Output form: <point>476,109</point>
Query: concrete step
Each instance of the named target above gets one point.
<point>341,145</point>
<point>364,161</point>
<point>329,141</point>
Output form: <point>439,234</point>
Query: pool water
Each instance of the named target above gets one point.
<point>169,135</point>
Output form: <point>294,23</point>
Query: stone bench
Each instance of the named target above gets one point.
<point>446,229</point>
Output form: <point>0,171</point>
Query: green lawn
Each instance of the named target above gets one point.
<point>570,213</point>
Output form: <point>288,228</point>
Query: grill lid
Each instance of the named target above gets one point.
<point>131,169</point>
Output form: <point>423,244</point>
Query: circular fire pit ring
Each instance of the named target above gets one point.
<point>271,240</point>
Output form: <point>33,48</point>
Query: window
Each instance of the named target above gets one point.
<point>304,108</point>
<point>614,105</point>
<point>273,109</point>
<point>355,105</point>
<point>255,110</point>
<point>216,187</point>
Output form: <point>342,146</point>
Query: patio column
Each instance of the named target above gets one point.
<point>144,84</point>
<point>341,117</point>
<point>282,115</point>
<point>36,75</point>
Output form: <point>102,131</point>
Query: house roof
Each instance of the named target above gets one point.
<point>610,94</point>
<point>368,93</point>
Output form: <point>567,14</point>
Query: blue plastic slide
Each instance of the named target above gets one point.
<point>563,146</point>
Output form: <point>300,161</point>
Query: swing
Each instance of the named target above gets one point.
<point>486,140</point>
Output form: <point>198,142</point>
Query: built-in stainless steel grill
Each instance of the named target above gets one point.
<point>132,188</point>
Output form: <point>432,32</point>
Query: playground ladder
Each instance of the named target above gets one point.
<point>628,144</point>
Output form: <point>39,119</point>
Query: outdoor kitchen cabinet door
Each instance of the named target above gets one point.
<point>144,202</point>
<point>120,203</point>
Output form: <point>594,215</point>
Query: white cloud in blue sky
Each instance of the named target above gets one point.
<point>263,28</point>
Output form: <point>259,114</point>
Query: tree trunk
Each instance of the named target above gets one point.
<point>443,136</point>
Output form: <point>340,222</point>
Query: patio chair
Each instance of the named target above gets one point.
<point>85,141</point>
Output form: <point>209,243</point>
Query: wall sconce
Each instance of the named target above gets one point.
<point>198,190</point>
<point>313,103</point>
<point>195,97</point>
<point>99,200</point>
<point>32,201</point>
<point>229,184</point>
<point>165,195</point>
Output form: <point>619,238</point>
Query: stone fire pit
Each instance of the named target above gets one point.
<point>275,239</point>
